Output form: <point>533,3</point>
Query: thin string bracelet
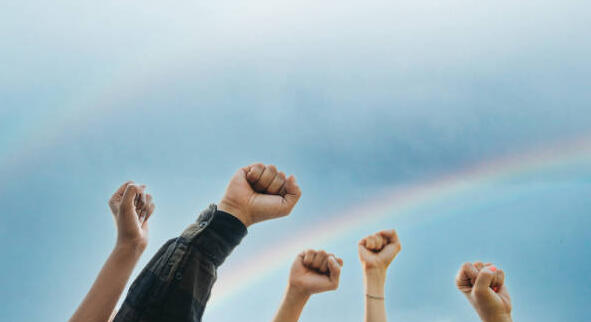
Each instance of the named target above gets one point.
<point>374,297</point>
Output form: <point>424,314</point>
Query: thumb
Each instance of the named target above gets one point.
<point>483,283</point>
<point>127,208</point>
<point>334,268</point>
<point>292,194</point>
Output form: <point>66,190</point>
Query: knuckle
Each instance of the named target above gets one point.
<point>133,188</point>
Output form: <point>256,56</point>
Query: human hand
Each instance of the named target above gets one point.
<point>131,208</point>
<point>484,287</point>
<point>315,272</point>
<point>377,251</point>
<point>258,192</point>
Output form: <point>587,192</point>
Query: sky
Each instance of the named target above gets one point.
<point>465,125</point>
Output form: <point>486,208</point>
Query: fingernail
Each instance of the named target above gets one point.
<point>492,268</point>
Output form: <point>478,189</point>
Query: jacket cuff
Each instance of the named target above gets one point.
<point>223,233</point>
<point>228,227</point>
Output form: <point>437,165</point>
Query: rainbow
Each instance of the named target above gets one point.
<point>394,203</point>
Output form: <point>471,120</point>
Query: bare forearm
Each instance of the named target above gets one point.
<point>292,306</point>
<point>99,303</point>
<point>375,310</point>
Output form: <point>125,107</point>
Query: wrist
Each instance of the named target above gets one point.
<point>235,211</point>
<point>498,318</point>
<point>130,247</point>
<point>375,274</point>
<point>375,280</point>
<point>297,294</point>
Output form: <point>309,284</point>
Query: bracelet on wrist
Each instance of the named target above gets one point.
<point>372,297</point>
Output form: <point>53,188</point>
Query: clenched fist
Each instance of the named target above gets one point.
<point>377,251</point>
<point>131,208</point>
<point>258,192</point>
<point>484,286</point>
<point>315,272</point>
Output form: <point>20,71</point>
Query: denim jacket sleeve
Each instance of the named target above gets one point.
<point>176,284</point>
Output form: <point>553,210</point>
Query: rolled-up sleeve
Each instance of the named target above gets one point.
<point>176,284</point>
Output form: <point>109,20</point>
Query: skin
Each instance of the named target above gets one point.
<point>131,207</point>
<point>311,272</point>
<point>484,287</point>
<point>376,252</point>
<point>259,192</point>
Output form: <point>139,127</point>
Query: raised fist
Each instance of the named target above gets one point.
<point>131,208</point>
<point>378,250</point>
<point>258,192</point>
<point>315,272</point>
<point>484,286</point>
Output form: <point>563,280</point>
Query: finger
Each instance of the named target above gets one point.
<point>283,191</point>
<point>369,242</point>
<point>380,242</point>
<point>148,199</point>
<point>117,196</point>
<point>498,279</point>
<point>292,195</point>
<point>363,242</point>
<point>141,198</point>
<point>266,178</point>
<point>254,173</point>
<point>309,257</point>
<point>127,209</point>
<point>301,255</point>
<point>374,243</point>
<point>122,188</point>
<point>145,210</point>
<point>277,184</point>
<point>479,265</point>
<point>318,259</point>
<point>150,211</point>
<point>466,277</point>
<point>149,214</point>
<point>324,266</point>
<point>140,203</point>
<point>390,235</point>
<point>483,283</point>
<point>129,196</point>
<point>334,270</point>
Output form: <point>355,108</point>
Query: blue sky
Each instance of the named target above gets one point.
<point>353,97</point>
